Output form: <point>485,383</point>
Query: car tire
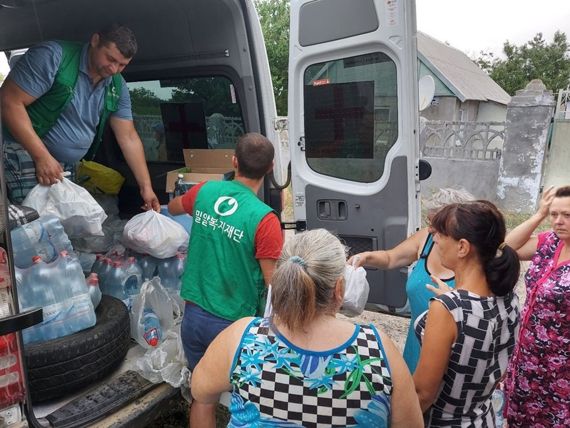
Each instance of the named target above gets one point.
<point>60,366</point>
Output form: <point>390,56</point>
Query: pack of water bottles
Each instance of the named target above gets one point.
<point>122,271</point>
<point>48,275</point>
<point>60,289</point>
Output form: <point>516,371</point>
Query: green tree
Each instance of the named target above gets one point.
<point>274,18</point>
<point>144,101</point>
<point>536,59</point>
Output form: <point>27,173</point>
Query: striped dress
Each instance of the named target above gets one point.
<point>486,332</point>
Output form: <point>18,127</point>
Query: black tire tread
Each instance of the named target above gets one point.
<point>61,366</point>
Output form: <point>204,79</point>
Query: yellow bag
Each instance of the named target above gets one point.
<point>98,178</point>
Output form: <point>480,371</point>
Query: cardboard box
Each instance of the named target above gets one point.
<point>201,164</point>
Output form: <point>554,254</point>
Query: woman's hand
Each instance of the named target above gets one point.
<point>546,201</point>
<point>441,288</point>
<point>358,259</point>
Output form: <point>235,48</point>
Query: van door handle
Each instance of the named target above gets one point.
<point>21,321</point>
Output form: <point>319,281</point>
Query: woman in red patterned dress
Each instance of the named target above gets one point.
<point>538,379</point>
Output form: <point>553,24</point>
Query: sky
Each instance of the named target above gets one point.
<point>476,25</point>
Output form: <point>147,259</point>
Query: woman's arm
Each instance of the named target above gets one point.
<point>402,255</point>
<point>520,238</point>
<point>440,334</point>
<point>211,376</point>
<point>404,408</point>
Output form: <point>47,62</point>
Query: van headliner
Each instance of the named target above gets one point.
<point>182,32</point>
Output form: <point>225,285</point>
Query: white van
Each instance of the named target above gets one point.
<point>201,78</point>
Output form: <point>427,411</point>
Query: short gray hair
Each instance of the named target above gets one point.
<point>446,196</point>
<point>304,281</point>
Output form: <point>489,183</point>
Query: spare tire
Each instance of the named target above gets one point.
<point>60,366</point>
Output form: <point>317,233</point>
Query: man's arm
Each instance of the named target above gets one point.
<point>13,101</point>
<point>268,245</point>
<point>132,148</point>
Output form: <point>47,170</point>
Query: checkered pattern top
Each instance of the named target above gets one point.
<point>278,384</point>
<point>486,332</point>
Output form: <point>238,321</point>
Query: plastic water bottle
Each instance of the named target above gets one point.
<point>170,271</point>
<point>148,265</point>
<point>74,278</point>
<point>44,278</point>
<point>133,277</point>
<point>81,312</point>
<point>97,264</point>
<point>103,273</point>
<point>43,237</point>
<point>114,281</point>
<point>94,290</point>
<point>178,185</point>
<point>151,325</point>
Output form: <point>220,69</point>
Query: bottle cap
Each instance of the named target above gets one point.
<point>93,279</point>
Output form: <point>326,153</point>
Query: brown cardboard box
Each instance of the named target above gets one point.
<point>201,164</point>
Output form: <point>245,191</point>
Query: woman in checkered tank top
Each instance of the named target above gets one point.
<point>468,334</point>
<point>303,367</point>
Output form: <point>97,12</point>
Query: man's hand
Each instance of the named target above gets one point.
<point>48,170</point>
<point>150,199</point>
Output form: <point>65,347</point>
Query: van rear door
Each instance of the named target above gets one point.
<point>353,124</point>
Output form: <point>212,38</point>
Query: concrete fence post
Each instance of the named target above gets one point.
<point>520,172</point>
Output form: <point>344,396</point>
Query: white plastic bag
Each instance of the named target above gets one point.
<point>79,212</point>
<point>356,291</point>
<point>155,234</point>
<point>155,297</point>
<point>165,363</point>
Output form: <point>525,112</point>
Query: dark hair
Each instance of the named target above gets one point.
<point>562,192</point>
<point>303,285</point>
<point>483,226</point>
<point>123,37</point>
<point>254,154</point>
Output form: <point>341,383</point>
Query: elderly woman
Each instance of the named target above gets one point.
<point>468,334</point>
<point>417,247</point>
<point>303,367</point>
<point>538,380</point>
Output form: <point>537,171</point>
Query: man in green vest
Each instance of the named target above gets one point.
<point>55,103</point>
<point>235,242</point>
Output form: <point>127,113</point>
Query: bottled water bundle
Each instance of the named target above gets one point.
<point>43,237</point>
<point>60,289</point>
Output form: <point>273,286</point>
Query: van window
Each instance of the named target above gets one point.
<point>170,115</point>
<point>351,116</point>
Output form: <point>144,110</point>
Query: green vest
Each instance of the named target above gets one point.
<point>45,111</point>
<point>222,275</point>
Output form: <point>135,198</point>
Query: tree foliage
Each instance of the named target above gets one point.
<point>536,59</point>
<point>274,18</point>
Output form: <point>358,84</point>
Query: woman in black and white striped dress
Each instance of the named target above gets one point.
<point>468,334</point>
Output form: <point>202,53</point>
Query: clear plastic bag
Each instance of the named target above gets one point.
<point>153,296</point>
<point>356,291</point>
<point>166,362</point>
<point>155,234</point>
<point>79,212</point>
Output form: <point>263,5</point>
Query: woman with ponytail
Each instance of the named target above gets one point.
<point>468,334</point>
<point>537,387</point>
<point>302,366</point>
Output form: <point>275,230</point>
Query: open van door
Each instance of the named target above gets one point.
<point>353,124</point>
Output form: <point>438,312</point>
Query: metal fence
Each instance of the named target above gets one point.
<point>462,140</point>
